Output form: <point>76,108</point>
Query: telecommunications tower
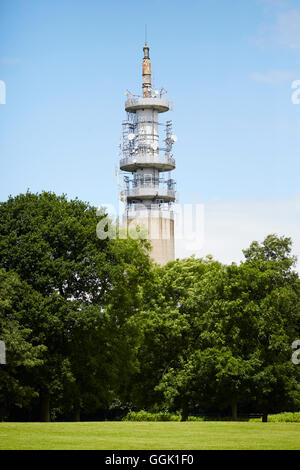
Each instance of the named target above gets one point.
<point>147,160</point>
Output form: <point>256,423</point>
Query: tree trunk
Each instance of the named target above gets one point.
<point>77,414</point>
<point>44,407</point>
<point>265,417</point>
<point>185,413</point>
<point>234,410</point>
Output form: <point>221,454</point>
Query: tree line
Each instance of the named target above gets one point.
<point>94,325</point>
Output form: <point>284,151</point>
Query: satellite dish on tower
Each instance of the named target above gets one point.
<point>131,136</point>
<point>174,138</point>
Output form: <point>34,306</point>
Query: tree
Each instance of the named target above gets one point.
<point>277,292</point>
<point>104,342</point>
<point>51,243</point>
<point>21,356</point>
<point>221,335</point>
<point>169,325</point>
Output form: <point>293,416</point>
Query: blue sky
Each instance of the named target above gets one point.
<point>227,64</point>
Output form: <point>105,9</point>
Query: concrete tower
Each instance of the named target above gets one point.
<point>149,192</point>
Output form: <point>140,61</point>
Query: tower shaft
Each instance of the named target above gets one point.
<point>149,192</point>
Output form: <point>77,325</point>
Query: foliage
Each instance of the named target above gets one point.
<point>89,323</point>
<point>218,336</point>
<point>143,415</point>
<point>286,417</point>
<point>21,354</point>
<point>80,293</point>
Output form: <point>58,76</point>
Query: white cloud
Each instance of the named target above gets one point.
<point>230,227</point>
<point>273,77</point>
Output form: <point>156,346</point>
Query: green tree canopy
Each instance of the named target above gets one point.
<point>219,336</point>
<point>85,291</point>
<point>21,355</point>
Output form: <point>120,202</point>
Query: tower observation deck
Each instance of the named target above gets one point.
<point>147,161</point>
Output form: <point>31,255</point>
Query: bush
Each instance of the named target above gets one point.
<point>160,416</point>
<point>196,418</point>
<point>146,416</point>
<point>286,417</point>
<point>167,416</point>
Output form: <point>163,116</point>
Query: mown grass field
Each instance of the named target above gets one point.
<point>151,435</point>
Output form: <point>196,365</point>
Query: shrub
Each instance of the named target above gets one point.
<point>143,415</point>
<point>146,416</point>
<point>284,418</point>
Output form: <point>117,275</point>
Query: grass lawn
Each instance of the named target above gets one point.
<point>150,435</point>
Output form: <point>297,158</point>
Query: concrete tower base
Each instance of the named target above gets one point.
<point>159,231</point>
